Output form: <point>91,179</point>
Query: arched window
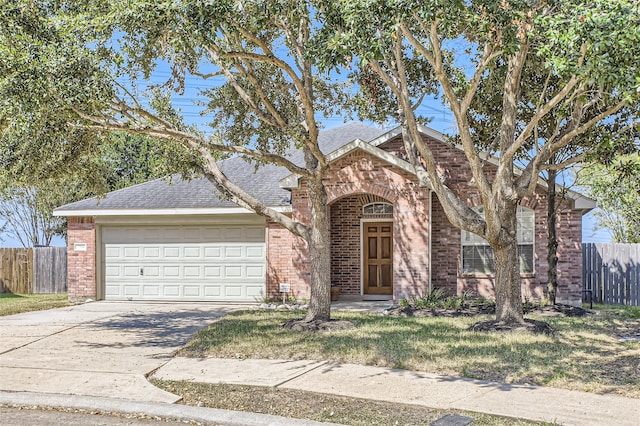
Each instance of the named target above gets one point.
<point>377,208</point>
<point>477,256</point>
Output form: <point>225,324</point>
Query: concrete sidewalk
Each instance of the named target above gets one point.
<point>407,387</point>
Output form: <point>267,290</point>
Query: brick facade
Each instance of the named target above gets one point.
<point>419,253</point>
<point>360,178</point>
<point>81,265</point>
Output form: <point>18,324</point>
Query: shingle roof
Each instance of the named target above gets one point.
<point>263,183</point>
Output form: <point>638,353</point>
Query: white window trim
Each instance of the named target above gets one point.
<point>485,243</point>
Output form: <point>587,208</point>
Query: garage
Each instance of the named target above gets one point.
<point>221,263</point>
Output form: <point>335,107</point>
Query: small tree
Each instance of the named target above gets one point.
<point>27,214</point>
<point>615,189</point>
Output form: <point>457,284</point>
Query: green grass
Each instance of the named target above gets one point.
<point>17,303</point>
<point>585,354</point>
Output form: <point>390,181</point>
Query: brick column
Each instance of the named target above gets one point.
<point>570,258</point>
<point>81,258</point>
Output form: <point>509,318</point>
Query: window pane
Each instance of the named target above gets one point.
<point>477,256</point>
<point>525,253</point>
<point>477,259</point>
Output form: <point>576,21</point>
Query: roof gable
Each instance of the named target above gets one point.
<point>293,180</point>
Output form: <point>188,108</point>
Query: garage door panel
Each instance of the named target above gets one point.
<point>233,290</point>
<point>212,271</point>
<point>151,290</point>
<point>214,263</point>
<point>113,290</point>
<point>171,271</point>
<point>256,271</point>
<point>233,253</point>
<point>151,271</point>
<point>213,253</point>
<point>192,272</point>
<point>192,291</point>
<point>112,252</point>
<point>256,292</point>
<point>171,252</point>
<point>233,271</point>
<point>193,252</point>
<point>132,290</point>
<point>255,252</point>
<point>171,290</point>
<point>131,271</point>
<point>152,252</point>
<point>212,291</point>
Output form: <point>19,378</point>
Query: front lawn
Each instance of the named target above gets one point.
<point>585,354</point>
<point>17,303</point>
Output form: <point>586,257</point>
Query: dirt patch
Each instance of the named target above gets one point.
<point>316,406</point>
<point>529,325</point>
<point>331,325</point>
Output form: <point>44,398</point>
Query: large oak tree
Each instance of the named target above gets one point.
<point>72,71</point>
<point>590,50</point>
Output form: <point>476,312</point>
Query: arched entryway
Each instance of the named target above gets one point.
<point>362,244</point>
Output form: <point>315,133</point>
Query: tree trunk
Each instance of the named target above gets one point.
<point>552,244</point>
<point>319,254</point>
<point>508,287</point>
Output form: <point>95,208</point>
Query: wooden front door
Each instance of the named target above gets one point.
<point>378,257</point>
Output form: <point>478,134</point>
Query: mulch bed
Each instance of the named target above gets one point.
<point>529,325</point>
<point>486,309</point>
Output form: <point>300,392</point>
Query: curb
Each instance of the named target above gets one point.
<point>173,411</point>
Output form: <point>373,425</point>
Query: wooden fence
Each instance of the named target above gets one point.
<point>612,273</point>
<point>37,270</point>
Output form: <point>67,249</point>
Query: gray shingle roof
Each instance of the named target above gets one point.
<point>262,183</point>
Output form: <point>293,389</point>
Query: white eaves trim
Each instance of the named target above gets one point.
<point>293,180</point>
<point>164,212</point>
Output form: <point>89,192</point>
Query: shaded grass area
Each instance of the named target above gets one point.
<point>585,354</point>
<point>316,406</point>
<point>17,303</point>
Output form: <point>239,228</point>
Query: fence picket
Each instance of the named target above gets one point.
<point>38,270</point>
<point>612,271</point>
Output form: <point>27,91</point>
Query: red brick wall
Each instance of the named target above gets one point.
<point>81,265</point>
<point>353,181</point>
<point>284,263</point>
<point>569,257</point>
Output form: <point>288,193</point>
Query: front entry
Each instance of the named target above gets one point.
<point>378,257</point>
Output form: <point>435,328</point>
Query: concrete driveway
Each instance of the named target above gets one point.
<point>99,348</point>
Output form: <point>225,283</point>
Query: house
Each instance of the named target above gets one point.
<point>181,241</point>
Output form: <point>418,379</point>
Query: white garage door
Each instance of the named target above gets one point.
<point>209,263</point>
